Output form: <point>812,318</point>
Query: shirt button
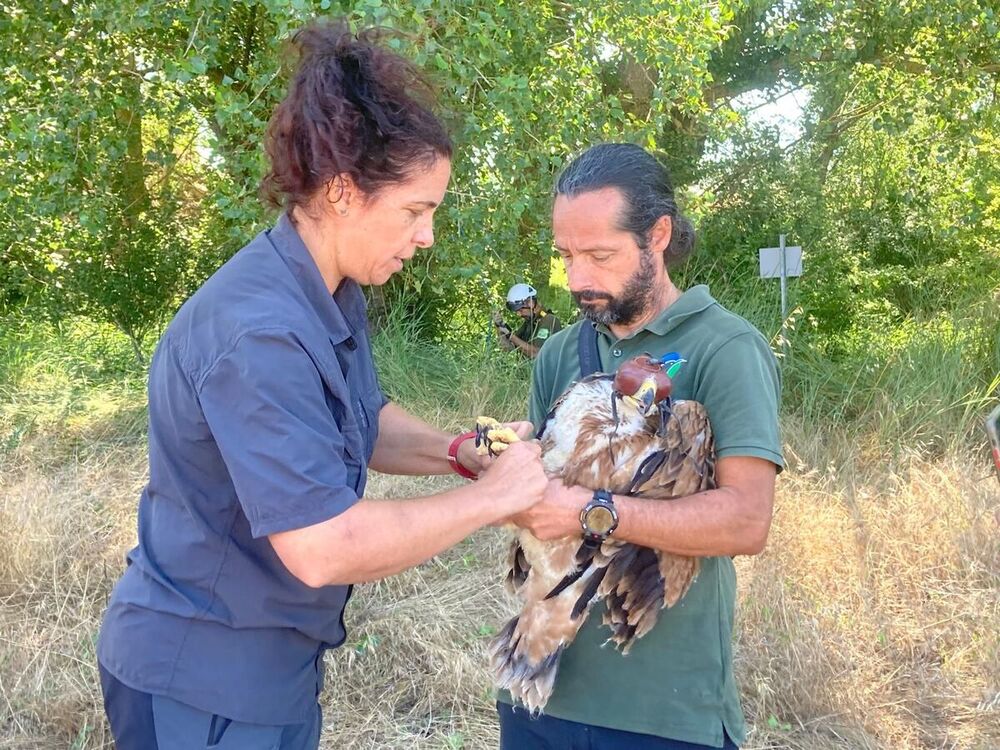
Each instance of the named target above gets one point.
<point>616,352</point>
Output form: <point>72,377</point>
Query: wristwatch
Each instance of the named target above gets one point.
<point>598,518</point>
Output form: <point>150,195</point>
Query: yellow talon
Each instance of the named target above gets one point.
<point>504,435</point>
<point>492,437</point>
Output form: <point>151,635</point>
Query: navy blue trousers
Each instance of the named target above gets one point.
<point>140,721</point>
<point>519,731</point>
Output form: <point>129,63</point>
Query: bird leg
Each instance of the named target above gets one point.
<point>663,407</point>
<point>492,438</point>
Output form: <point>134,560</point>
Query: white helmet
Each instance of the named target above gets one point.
<point>519,294</point>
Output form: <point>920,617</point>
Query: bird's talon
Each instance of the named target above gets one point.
<point>492,438</point>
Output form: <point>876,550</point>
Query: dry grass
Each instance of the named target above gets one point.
<point>871,621</point>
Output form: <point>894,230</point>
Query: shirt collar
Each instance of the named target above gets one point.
<point>344,312</point>
<point>693,301</point>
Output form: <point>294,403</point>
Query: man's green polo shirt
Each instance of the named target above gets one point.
<point>677,681</point>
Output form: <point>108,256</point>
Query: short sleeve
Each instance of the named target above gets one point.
<point>542,334</point>
<point>741,390</point>
<point>265,404</point>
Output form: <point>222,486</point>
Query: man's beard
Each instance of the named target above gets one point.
<point>635,298</point>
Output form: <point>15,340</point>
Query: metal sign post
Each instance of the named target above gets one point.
<point>781,262</point>
<point>784,277</point>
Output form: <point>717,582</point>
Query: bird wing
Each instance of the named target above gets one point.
<point>641,581</point>
<point>688,455</point>
<point>556,580</point>
<point>557,586</point>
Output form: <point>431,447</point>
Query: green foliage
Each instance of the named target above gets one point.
<point>130,152</point>
<point>926,386</point>
<point>440,381</point>
<point>78,382</point>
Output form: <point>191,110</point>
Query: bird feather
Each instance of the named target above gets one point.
<point>589,439</point>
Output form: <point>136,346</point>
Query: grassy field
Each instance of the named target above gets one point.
<point>872,620</point>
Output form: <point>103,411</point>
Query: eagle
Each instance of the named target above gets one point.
<point>622,433</point>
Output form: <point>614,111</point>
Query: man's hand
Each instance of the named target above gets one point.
<point>557,515</point>
<point>503,329</point>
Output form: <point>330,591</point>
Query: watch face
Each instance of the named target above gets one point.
<point>600,520</point>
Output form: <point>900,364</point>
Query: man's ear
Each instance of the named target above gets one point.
<point>659,235</point>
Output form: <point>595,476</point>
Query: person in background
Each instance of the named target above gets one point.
<point>537,326</point>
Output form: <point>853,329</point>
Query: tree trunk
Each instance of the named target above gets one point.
<point>140,355</point>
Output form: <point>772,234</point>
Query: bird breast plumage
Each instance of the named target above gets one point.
<point>592,439</point>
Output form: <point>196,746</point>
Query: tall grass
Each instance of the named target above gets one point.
<point>446,384</point>
<point>924,384</point>
<point>871,621</point>
<point>78,381</point>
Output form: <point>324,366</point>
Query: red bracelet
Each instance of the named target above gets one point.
<point>453,455</point>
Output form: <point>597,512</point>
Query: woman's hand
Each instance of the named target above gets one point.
<point>475,463</point>
<point>515,479</point>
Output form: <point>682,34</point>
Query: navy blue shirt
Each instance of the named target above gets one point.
<point>263,414</point>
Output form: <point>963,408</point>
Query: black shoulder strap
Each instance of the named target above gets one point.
<point>590,358</point>
<point>590,363</point>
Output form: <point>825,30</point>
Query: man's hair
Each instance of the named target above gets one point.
<point>645,186</point>
<point>354,108</point>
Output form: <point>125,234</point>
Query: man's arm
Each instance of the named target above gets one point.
<point>525,347</point>
<point>408,445</point>
<point>265,402</point>
<point>733,519</point>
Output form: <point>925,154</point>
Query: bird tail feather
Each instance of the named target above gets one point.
<point>639,583</point>
<point>529,683</point>
<point>525,655</point>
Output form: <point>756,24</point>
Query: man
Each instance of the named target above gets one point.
<point>538,324</point>
<point>618,230</point>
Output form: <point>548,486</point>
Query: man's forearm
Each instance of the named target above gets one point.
<point>529,350</point>
<point>378,538</point>
<point>711,523</point>
<point>731,520</point>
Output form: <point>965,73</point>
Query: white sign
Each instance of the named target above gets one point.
<point>770,262</point>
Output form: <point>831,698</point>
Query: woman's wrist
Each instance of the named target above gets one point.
<point>460,449</point>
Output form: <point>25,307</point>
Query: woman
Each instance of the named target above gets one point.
<point>265,415</point>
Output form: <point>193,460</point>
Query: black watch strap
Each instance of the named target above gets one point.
<point>599,518</point>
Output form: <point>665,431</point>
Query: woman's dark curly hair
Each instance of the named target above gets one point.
<point>353,108</point>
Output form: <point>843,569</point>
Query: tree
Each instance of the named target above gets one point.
<point>130,150</point>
